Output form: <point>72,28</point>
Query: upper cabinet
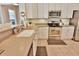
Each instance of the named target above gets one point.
<point>51,6</point>
<point>31,10</point>
<point>34,10</point>
<point>69,11</point>
<point>42,10</point>
<point>45,10</point>
<point>59,7</point>
<point>65,8</point>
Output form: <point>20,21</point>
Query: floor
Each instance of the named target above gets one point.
<point>70,49</point>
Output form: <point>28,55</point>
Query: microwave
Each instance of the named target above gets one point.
<point>54,13</point>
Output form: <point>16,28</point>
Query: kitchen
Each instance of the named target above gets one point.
<point>39,29</point>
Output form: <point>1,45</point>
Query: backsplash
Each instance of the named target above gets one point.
<point>64,20</point>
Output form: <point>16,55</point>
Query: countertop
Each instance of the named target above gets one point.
<point>16,46</point>
<point>45,25</point>
<point>5,29</point>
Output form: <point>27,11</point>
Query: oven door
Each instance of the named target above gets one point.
<point>54,31</point>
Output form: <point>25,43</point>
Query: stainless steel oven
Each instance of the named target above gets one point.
<point>54,32</point>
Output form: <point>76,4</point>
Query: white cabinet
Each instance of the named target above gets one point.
<point>58,6</point>
<point>34,10</point>
<point>45,10</point>
<point>51,6</point>
<point>67,32</point>
<point>63,10</point>
<point>42,32</point>
<point>31,10</point>
<point>75,6</point>
<point>69,11</point>
<point>42,10</point>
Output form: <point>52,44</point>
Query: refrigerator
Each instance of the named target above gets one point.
<point>75,22</point>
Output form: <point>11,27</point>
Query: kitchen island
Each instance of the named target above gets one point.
<point>17,45</point>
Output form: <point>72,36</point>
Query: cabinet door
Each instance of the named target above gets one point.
<point>63,10</point>
<point>34,10</point>
<point>67,32</point>
<point>58,6</point>
<point>45,10</point>
<point>43,33</point>
<point>31,10</point>
<point>40,10</point>
<point>51,6</point>
<point>69,11</point>
<point>75,6</point>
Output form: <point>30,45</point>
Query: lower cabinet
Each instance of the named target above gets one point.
<point>43,33</point>
<point>67,32</point>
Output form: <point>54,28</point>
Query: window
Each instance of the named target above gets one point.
<point>12,17</point>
